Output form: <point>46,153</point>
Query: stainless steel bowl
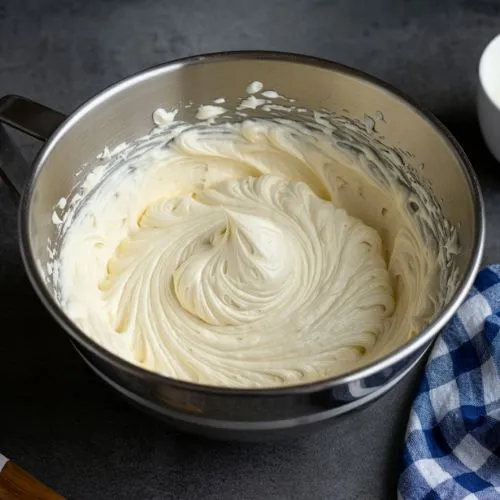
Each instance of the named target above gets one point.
<point>123,113</point>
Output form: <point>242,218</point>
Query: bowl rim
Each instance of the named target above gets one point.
<point>399,354</point>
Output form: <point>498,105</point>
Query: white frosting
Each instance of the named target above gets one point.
<point>254,87</point>
<point>162,117</point>
<point>278,107</point>
<point>209,111</point>
<point>252,254</point>
<point>56,219</point>
<point>61,204</point>
<point>271,94</point>
<point>251,102</point>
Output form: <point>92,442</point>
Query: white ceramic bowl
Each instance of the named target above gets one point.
<point>488,101</point>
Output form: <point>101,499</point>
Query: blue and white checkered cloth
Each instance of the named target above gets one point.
<point>452,447</point>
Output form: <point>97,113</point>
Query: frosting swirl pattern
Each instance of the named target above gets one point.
<point>225,255</point>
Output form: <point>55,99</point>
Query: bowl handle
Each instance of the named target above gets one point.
<point>29,117</point>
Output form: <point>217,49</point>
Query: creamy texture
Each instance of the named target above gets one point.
<point>271,94</point>
<point>162,117</point>
<point>254,87</point>
<point>253,254</point>
<point>209,111</point>
<point>251,102</point>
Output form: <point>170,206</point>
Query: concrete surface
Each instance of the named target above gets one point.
<point>57,419</point>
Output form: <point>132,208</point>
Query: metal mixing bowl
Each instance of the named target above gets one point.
<point>123,113</point>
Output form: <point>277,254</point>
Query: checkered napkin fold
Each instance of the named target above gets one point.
<point>452,446</point>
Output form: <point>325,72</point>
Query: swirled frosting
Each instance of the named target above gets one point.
<point>253,254</point>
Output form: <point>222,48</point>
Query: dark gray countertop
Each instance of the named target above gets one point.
<point>57,419</point>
